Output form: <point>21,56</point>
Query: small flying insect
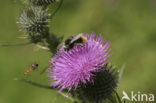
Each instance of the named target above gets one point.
<point>73,41</point>
<point>33,67</point>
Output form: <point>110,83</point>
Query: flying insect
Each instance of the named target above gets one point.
<point>33,67</point>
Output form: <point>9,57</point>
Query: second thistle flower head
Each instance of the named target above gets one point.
<point>78,65</point>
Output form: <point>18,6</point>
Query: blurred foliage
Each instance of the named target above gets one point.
<point>130,26</point>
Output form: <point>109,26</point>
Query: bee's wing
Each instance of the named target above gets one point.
<point>76,37</point>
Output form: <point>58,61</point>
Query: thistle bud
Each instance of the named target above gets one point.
<point>33,19</point>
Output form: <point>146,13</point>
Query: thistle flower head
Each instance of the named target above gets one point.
<point>79,65</point>
<point>33,19</point>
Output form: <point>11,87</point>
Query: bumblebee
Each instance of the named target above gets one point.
<point>33,67</point>
<point>73,41</point>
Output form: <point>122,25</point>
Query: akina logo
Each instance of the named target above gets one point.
<point>140,97</point>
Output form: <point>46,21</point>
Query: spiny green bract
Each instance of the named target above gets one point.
<point>103,86</point>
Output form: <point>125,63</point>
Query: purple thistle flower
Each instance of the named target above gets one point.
<point>78,65</point>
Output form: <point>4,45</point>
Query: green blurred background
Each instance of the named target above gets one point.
<point>130,26</point>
